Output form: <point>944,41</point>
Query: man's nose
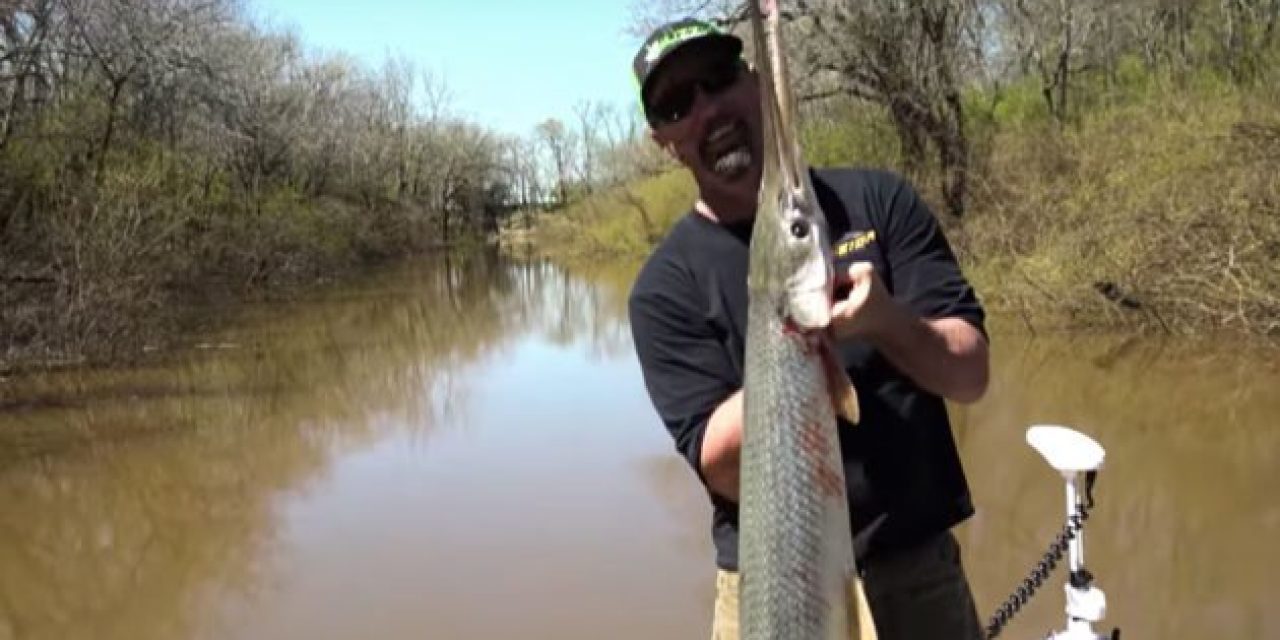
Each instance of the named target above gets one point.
<point>705,106</point>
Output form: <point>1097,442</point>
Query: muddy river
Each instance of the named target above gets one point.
<point>463,449</point>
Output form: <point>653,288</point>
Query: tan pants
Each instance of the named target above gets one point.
<point>915,594</point>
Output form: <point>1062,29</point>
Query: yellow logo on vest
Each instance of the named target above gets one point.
<point>853,244</point>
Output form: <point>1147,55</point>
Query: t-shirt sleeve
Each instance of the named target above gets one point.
<point>924,271</point>
<point>686,369</point>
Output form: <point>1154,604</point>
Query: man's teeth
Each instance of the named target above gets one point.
<point>726,150</point>
<point>732,162</point>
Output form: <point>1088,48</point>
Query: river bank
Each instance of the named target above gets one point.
<point>1157,212</point>
<point>128,281</point>
<point>138,184</point>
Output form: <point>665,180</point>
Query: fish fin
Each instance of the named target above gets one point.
<point>862,609</point>
<point>843,396</point>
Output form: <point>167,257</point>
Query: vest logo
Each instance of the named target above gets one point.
<point>859,241</point>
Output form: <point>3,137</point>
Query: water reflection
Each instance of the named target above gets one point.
<point>1186,501</point>
<point>462,448</point>
<point>132,498</point>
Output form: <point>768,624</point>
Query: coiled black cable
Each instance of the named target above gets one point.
<point>1047,564</point>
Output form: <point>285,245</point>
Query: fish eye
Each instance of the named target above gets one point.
<point>800,229</point>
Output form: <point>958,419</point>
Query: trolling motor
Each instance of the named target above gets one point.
<point>1071,453</point>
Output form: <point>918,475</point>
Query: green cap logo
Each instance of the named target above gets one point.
<point>673,37</point>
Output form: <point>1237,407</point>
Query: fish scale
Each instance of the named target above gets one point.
<point>791,533</point>
<point>798,576</point>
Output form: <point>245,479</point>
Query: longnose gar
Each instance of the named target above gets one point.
<point>797,569</point>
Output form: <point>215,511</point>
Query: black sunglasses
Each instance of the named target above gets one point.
<point>674,104</point>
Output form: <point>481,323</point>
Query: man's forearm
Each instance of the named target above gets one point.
<point>946,356</point>
<point>722,447</point>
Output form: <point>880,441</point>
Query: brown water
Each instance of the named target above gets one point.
<point>465,450</point>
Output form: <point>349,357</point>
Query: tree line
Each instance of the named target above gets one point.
<point>148,146</point>
<point>917,59</point>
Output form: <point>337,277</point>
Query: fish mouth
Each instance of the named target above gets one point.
<point>726,149</point>
<point>809,311</point>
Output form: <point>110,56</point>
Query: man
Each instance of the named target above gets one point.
<point>910,333</point>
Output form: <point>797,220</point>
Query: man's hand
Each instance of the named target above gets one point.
<point>946,356</point>
<point>866,310</point>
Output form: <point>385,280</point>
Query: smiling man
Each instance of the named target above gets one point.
<point>910,329</point>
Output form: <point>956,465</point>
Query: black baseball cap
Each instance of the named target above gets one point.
<point>668,38</point>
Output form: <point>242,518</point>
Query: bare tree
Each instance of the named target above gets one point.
<point>620,146</point>
<point>1052,37</point>
<point>26,28</point>
<point>398,87</point>
<point>261,115</point>
<point>470,177</point>
<point>520,160</point>
<point>905,56</point>
<point>646,15</point>
<point>328,85</point>
<point>122,39</point>
<point>1247,31</point>
<point>559,143</point>
<point>590,117</point>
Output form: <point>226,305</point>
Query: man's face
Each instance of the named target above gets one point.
<point>707,114</point>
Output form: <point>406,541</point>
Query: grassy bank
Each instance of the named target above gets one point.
<point>1158,208</point>
<point>108,271</point>
<point>1162,210</point>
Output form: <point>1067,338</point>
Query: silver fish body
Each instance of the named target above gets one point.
<point>798,575</point>
<point>795,553</point>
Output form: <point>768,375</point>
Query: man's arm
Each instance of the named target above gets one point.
<point>931,327</point>
<point>946,356</point>
<point>722,447</point>
<point>690,379</point>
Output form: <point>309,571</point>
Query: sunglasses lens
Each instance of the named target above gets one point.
<point>720,77</point>
<point>675,104</point>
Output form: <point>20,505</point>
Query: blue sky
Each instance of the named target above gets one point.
<point>509,64</point>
